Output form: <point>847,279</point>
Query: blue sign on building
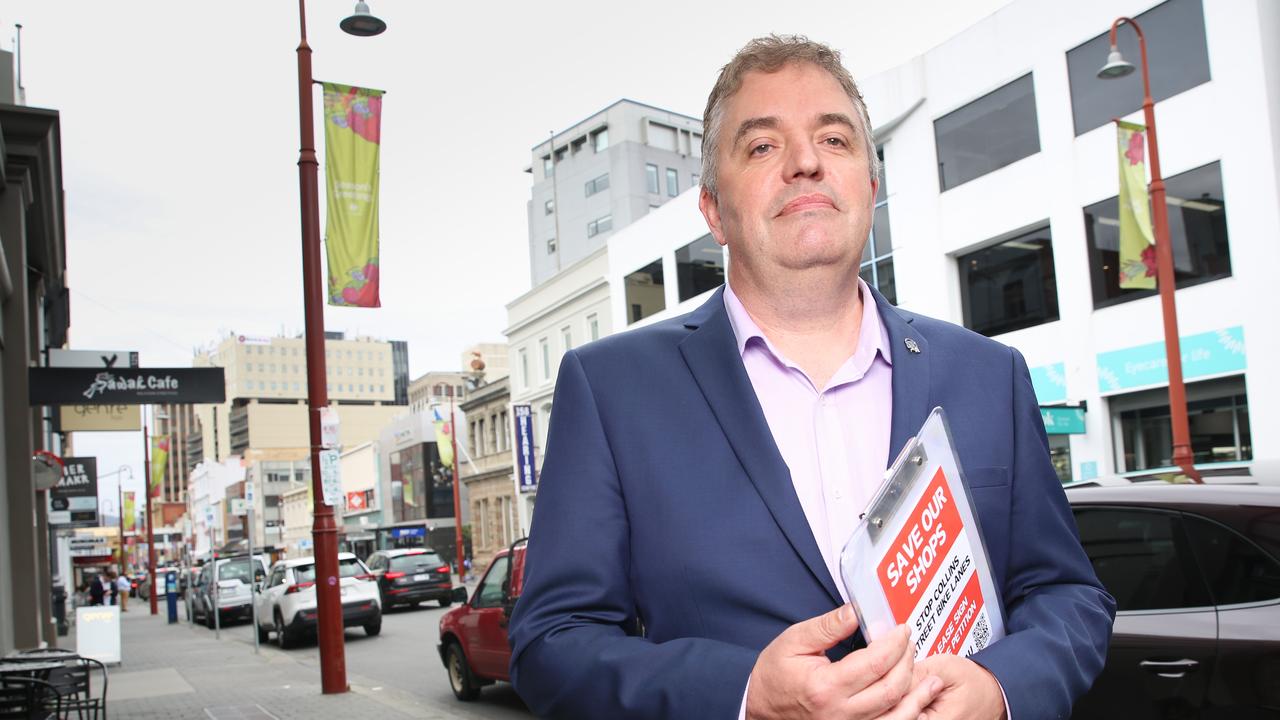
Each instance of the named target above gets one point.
<point>404,532</point>
<point>1050,383</point>
<point>1219,352</point>
<point>526,468</point>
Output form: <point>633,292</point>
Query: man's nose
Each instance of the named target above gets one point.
<point>803,161</point>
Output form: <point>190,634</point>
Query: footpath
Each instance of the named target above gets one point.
<point>180,671</point>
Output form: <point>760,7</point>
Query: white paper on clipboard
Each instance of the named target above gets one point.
<point>917,557</point>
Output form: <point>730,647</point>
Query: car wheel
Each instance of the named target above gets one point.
<point>373,628</point>
<point>284,638</point>
<point>446,602</point>
<point>208,619</point>
<point>461,680</point>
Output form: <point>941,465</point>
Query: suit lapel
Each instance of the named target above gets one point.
<point>711,352</point>
<point>910,375</point>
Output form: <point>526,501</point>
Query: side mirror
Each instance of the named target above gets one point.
<point>508,605</point>
<point>459,594</point>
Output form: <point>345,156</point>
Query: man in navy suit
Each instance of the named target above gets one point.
<point>702,474</point>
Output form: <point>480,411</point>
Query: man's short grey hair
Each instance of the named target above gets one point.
<point>771,54</point>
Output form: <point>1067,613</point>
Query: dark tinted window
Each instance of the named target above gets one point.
<point>699,267</point>
<point>646,293</point>
<point>407,563</point>
<point>1010,285</point>
<point>995,130</point>
<point>1142,558</point>
<point>1219,429</point>
<point>490,592</point>
<point>1237,570</point>
<point>347,567</point>
<point>1178,61</point>
<point>1197,232</point>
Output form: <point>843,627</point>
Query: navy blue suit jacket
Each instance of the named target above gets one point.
<point>664,504</point>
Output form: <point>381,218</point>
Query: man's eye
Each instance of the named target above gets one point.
<point>761,149</point>
<point>834,142</point>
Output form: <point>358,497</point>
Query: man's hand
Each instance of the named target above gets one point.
<point>969,690</point>
<point>793,678</point>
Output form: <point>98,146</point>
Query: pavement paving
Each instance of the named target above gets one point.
<point>182,671</point>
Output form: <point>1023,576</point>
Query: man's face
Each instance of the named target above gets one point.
<point>795,191</point>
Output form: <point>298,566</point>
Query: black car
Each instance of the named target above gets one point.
<point>411,576</point>
<point>1195,571</point>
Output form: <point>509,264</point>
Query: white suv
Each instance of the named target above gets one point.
<point>287,604</point>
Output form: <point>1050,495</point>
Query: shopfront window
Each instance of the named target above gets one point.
<point>1060,456</point>
<point>699,267</point>
<point>1217,413</point>
<point>645,292</point>
<point>1010,285</point>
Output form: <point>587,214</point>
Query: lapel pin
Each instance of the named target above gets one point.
<point>912,346</point>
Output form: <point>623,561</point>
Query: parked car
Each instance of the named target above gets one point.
<point>287,604</point>
<point>473,638</point>
<point>231,581</point>
<point>411,576</point>
<point>1195,570</point>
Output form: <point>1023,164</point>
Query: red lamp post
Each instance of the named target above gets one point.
<point>1117,67</point>
<point>324,530</point>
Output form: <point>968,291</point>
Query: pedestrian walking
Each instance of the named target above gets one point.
<point>97,590</point>
<point>112,589</point>
<point>122,591</point>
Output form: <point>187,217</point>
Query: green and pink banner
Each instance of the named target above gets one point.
<point>352,134</point>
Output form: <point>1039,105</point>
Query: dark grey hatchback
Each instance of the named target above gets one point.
<point>1195,571</point>
<point>411,576</point>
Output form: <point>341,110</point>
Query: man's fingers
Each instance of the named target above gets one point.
<point>861,668</point>
<point>817,634</point>
<point>916,703</point>
<point>881,694</point>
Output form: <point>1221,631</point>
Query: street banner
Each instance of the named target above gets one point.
<point>124,386</point>
<point>444,440</point>
<point>1137,241</point>
<point>352,135</point>
<point>73,502</point>
<point>159,461</point>
<point>130,512</point>
<point>526,467</point>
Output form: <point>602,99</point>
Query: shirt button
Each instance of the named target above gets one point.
<point>826,401</point>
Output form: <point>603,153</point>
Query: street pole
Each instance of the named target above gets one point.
<point>151,521</point>
<point>457,492</point>
<point>120,499</point>
<point>1165,279</point>
<point>253,579</point>
<point>333,663</point>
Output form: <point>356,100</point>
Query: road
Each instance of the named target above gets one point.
<point>402,658</point>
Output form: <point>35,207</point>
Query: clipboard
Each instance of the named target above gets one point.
<point>917,557</point>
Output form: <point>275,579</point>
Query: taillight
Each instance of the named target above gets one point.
<point>443,569</point>
<point>392,575</point>
<point>299,587</point>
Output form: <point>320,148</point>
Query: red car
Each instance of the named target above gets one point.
<point>473,638</point>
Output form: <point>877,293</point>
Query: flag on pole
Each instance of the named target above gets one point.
<point>444,436</point>
<point>159,459</point>
<point>130,513</point>
<point>1137,241</point>
<point>352,136</point>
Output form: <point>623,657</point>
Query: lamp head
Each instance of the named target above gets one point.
<point>1116,66</point>
<point>362,23</point>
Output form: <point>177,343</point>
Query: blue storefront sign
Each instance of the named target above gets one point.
<point>405,532</point>
<point>1218,352</point>
<point>526,468</point>
<point>1050,383</point>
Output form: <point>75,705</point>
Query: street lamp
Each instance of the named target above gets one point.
<point>333,664</point>
<point>1117,67</point>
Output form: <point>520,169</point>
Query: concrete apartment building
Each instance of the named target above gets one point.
<point>1000,214</point>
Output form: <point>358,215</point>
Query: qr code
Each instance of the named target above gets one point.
<point>981,632</point>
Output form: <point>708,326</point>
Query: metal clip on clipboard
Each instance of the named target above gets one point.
<point>917,556</point>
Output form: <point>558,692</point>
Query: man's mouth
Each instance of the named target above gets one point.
<point>815,201</point>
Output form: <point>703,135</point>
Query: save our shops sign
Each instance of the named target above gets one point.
<point>1218,352</point>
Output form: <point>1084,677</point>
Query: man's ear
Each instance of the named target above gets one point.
<point>710,208</point>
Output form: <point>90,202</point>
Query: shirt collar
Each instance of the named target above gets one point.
<point>872,335</point>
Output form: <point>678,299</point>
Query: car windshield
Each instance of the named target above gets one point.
<point>347,567</point>
<point>237,569</point>
<point>420,561</point>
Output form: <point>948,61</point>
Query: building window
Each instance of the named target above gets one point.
<point>600,225</point>
<point>551,246</point>
<point>645,293</point>
<point>600,139</point>
<point>549,207</point>
<point>651,178</point>
<point>524,368</point>
<point>1009,285</point>
<point>566,336</point>
<point>699,267</point>
<point>548,166</point>
<point>876,269</point>
<point>1179,61</point>
<point>545,348</point>
<point>1060,456</point>
<point>663,137</point>
<point>577,144</point>
<point>1217,412</point>
<point>989,133</point>
<point>1197,232</point>
<point>597,184</point>
<point>673,182</point>
<point>694,179</point>
<point>593,327</point>
<point>695,148</point>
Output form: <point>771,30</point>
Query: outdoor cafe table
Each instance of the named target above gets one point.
<point>29,669</point>
<point>42,655</point>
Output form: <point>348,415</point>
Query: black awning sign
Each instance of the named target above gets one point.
<point>125,386</point>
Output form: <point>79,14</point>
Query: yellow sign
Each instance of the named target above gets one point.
<point>94,418</point>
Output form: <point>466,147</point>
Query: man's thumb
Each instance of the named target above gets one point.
<point>817,634</point>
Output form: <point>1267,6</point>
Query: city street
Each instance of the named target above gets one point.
<point>181,671</point>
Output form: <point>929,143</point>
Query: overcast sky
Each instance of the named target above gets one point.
<point>180,147</point>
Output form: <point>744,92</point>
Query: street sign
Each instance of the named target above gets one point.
<point>329,427</point>
<point>74,500</point>
<point>99,418</point>
<point>239,507</point>
<point>248,490</point>
<point>88,546</point>
<point>526,467</point>
<point>330,477</point>
<point>128,386</point>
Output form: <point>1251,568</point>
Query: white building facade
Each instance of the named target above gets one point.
<point>999,214</point>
